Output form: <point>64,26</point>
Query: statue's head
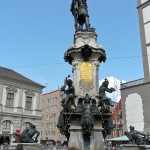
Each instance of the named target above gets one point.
<point>32,125</point>
<point>131,128</point>
<point>69,82</point>
<point>106,82</point>
<point>87,99</point>
<point>62,88</point>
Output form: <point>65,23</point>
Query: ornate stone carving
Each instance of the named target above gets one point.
<point>30,93</point>
<point>11,89</point>
<point>86,52</point>
<point>75,65</point>
<point>85,39</point>
<point>87,119</point>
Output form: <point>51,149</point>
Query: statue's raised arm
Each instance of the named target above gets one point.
<point>79,10</point>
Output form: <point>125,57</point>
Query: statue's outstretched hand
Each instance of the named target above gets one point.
<point>113,89</point>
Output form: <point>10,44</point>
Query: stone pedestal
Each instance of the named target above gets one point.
<point>25,146</point>
<point>135,147</point>
<point>86,122</point>
<point>79,141</point>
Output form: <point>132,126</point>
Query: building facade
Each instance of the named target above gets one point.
<point>135,94</point>
<point>51,107</point>
<point>144,22</point>
<point>117,121</point>
<point>20,103</point>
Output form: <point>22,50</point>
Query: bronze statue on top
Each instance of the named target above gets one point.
<point>80,13</point>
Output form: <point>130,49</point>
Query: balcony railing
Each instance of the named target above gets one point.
<point>132,83</point>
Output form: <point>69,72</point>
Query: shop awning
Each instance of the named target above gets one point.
<point>121,138</point>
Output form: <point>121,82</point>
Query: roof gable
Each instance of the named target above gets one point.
<point>14,75</point>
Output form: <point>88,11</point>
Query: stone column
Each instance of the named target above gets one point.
<point>19,108</point>
<point>96,75</point>
<point>1,96</point>
<point>76,140</point>
<point>37,108</point>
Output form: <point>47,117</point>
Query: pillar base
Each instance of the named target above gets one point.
<point>80,141</point>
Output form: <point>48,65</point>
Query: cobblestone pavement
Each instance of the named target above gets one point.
<point>56,148</point>
<point>43,148</point>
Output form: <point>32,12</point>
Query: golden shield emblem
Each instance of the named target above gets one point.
<point>86,76</point>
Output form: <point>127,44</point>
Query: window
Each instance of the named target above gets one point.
<point>52,108</point>
<point>55,107</point>
<point>28,102</point>
<point>42,102</point>
<point>47,109</point>
<point>52,125</point>
<point>55,99</point>
<point>54,115</point>
<point>120,113</point>
<point>53,133</point>
<point>121,133</point>
<point>6,124</point>
<point>43,125</point>
<point>114,133</point>
<point>10,99</point>
<point>114,122</point>
<point>47,125</point>
<point>48,100</point>
<point>47,134</point>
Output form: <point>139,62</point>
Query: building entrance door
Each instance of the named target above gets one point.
<point>4,139</point>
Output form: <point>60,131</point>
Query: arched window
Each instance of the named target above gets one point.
<point>6,125</point>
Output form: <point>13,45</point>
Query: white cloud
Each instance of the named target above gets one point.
<point>115,83</point>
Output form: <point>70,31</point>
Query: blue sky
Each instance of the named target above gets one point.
<point>34,35</point>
